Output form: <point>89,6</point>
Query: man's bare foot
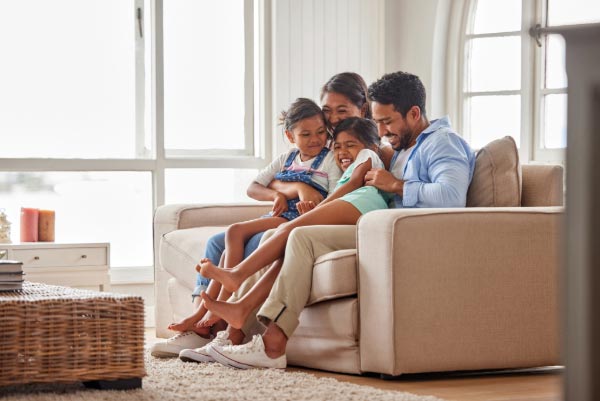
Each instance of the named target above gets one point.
<point>233,313</point>
<point>209,320</point>
<point>226,277</point>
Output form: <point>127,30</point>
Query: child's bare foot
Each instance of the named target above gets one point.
<point>208,320</point>
<point>186,324</point>
<point>233,313</point>
<point>226,277</point>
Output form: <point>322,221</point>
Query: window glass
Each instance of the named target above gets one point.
<point>555,121</point>
<point>493,117</point>
<point>571,12</point>
<point>204,67</point>
<point>218,185</point>
<point>497,16</point>
<point>495,64</point>
<point>556,74</point>
<point>67,85</point>
<point>114,207</point>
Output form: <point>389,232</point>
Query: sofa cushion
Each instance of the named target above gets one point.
<point>334,276</point>
<point>497,176</point>
<point>181,250</point>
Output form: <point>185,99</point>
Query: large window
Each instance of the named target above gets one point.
<point>109,108</point>
<point>514,80</point>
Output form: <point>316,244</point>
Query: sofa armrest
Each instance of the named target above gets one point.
<point>168,218</point>
<point>173,217</point>
<point>458,289</point>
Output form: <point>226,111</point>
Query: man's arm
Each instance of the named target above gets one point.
<point>384,181</point>
<point>448,176</point>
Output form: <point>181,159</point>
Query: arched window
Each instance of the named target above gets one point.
<point>513,77</point>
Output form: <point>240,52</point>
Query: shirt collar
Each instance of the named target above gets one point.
<point>434,125</point>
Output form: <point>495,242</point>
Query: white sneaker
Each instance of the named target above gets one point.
<point>173,346</point>
<point>247,356</point>
<point>201,354</point>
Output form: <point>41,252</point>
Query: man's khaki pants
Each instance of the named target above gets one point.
<point>291,290</point>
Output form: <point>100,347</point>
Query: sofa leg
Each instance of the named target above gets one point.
<point>383,376</point>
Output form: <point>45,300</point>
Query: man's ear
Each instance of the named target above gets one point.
<point>414,113</point>
<point>289,135</point>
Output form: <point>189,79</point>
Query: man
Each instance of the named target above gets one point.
<point>432,167</point>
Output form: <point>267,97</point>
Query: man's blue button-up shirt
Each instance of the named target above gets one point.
<point>439,169</point>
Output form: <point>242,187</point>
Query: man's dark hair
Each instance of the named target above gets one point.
<point>401,89</point>
<point>351,85</point>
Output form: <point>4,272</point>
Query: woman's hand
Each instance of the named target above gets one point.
<point>279,205</point>
<point>305,206</point>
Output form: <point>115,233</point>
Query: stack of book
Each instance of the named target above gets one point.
<point>11,275</point>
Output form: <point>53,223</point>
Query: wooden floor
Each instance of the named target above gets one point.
<point>534,385</point>
<point>540,385</point>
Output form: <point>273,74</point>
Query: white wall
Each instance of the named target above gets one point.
<point>315,39</point>
<point>416,41</point>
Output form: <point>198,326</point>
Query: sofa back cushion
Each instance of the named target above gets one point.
<point>497,176</point>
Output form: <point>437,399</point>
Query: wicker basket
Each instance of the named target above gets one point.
<point>58,334</point>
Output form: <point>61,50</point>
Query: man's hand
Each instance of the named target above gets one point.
<point>306,193</point>
<point>279,205</point>
<point>305,206</point>
<point>384,180</point>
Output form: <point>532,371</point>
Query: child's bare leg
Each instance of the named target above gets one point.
<point>238,234</point>
<point>236,313</point>
<point>189,323</point>
<point>235,239</point>
<point>335,212</point>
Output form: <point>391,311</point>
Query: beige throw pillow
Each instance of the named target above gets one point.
<point>497,176</point>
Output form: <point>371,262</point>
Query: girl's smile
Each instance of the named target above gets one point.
<point>346,148</point>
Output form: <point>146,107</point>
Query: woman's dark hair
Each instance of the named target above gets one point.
<point>401,89</point>
<point>361,128</point>
<point>351,85</point>
<point>299,110</point>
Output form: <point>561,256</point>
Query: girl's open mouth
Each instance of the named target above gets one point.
<point>345,162</point>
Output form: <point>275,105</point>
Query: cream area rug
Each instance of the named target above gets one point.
<point>172,379</point>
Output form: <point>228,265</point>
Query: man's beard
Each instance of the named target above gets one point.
<point>405,140</point>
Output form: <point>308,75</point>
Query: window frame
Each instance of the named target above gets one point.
<point>532,75</point>
<point>157,160</point>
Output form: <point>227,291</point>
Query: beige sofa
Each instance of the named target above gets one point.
<point>425,290</point>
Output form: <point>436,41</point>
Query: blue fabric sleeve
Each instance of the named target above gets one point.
<point>449,176</point>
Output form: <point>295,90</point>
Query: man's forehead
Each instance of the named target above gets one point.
<point>381,111</point>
